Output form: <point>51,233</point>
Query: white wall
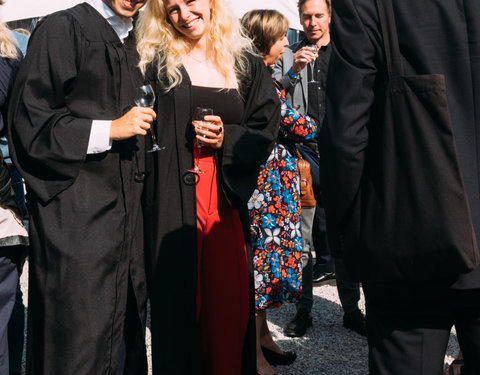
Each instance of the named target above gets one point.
<point>21,9</point>
<point>287,7</point>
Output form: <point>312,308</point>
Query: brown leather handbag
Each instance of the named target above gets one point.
<point>307,196</point>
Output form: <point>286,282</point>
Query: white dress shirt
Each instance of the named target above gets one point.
<point>99,140</point>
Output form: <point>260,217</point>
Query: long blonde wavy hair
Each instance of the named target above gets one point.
<point>8,42</point>
<point>159,43</point>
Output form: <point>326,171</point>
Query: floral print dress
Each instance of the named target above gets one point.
<point>275,223</point>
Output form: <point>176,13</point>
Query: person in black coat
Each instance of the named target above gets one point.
<point>77,140</point>
<point>197,226</point>
<point>13,241</point>
<point>13,236</point>
<point>8,70</point>
<point>408,321</point>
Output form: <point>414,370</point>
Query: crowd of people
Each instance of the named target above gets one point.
<point>181,156</point>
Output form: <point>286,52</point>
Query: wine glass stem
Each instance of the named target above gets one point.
<point>197,154</point>
<point>154,138</point>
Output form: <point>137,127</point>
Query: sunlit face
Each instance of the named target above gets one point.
<point>315,20</point>
<point>125,8</point>
<point>189,17</point>
<point>276,51</point>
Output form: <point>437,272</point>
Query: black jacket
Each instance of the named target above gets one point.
<point>436,37</point>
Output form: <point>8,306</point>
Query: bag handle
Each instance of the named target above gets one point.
<point>299,155</point>
<point>390,38</point>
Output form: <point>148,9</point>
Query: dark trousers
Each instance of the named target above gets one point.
<point>408,327</point>
<point>16,327</point>
<point>306,302</point>
<point>348,290</point>
<point>8,289</point>
<point>323,257</point>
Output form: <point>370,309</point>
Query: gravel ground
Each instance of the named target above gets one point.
<point>326,349</point>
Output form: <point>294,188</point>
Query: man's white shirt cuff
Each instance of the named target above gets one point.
<point>99,137</point>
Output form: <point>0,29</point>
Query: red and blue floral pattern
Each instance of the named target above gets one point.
<point>274,210</point>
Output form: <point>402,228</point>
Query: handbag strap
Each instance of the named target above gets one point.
<point>299,155</point>
<point>390,37</point>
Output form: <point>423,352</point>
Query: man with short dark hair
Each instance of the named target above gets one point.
<point>292,71</point>
<point>305,86</point>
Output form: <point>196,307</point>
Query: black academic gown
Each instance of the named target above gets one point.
<point>86,221</point>
<point>170,208</point>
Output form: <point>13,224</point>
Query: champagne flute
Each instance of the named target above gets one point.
<point>314,48</point>
<point>198,118</point>
<point>145,97</point>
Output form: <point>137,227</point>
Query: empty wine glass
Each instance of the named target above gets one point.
<point>198,119</point>
<point>145,97</point>
<point>314,48</point>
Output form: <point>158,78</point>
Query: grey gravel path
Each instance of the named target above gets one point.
<point>326,349</point>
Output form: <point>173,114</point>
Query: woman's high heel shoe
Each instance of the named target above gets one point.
<point>274,358</point>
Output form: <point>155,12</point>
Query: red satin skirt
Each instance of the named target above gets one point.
<point>223,296</point>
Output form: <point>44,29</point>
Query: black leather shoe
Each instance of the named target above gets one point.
<point>274,358</point>
<point>323,278</point>
<point>299,324</point>
<point>355,321</point>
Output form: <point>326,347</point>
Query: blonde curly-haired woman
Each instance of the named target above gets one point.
<point>195,55</point>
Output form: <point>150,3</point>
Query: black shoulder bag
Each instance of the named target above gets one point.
<point>414,221</point>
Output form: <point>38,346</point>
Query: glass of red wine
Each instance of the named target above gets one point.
<point>199,119</point>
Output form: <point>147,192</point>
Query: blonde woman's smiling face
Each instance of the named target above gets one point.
<point>189,17</point>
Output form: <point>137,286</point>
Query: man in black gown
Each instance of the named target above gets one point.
<point>79,145</point>
<point>296,76</point>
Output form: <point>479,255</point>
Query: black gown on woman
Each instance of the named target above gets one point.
<point>170,210</point>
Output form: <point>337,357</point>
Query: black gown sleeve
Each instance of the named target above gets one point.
<point>350,95</point>
<point>247,145</point>
<point>48,142</point>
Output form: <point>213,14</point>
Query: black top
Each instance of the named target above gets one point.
<point>316,91</point>
<point>225,103</point>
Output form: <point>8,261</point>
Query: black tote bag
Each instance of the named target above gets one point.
<point>411,216</point>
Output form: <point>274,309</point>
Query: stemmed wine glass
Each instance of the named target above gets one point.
<point>145,97</point>
<point>198,118</point>
<point>314,48</point>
